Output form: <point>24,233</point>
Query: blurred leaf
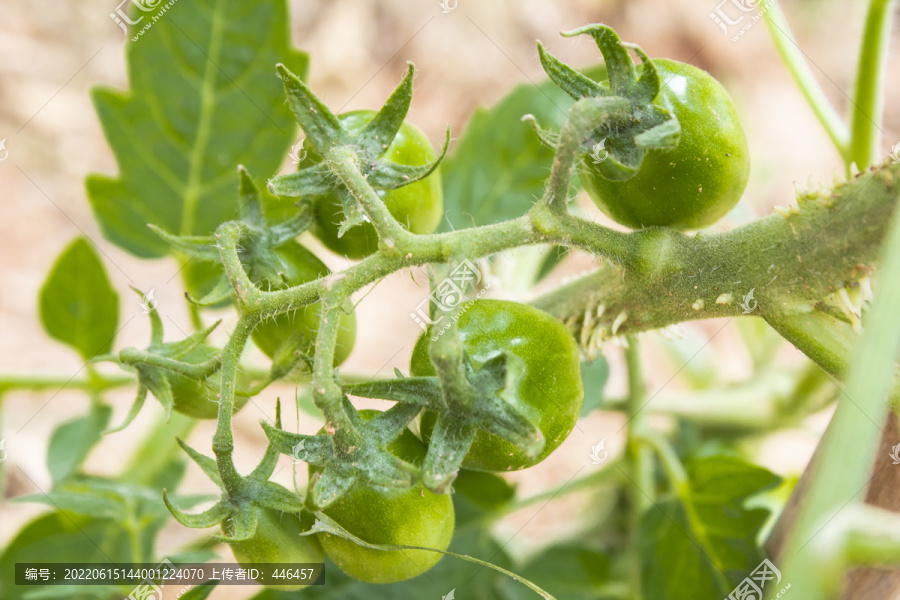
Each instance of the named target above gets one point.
<point>63,537</point>
<point>475,494</point>
<point>201,592</point>
<point>71,442</point>
<point>569,571</point>
<point>78,305</point>
<point>703,543</point>
<point>593,376</point>
<point>204,98</point>
<point>490,177</point>
<point>486,490</point>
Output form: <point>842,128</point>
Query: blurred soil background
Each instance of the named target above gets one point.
<point>470,57</point>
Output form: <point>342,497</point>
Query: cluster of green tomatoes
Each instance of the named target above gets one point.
<point>688,187</point>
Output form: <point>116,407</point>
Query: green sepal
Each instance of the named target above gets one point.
<point>266,466</point>
<point>208,518</point>
<point>313,449</point>
<point>206,464</point>
<point>449,444</point>
<point>616,141</point>
<point>316,180</point>
<point>327,486</point>
<point>548,137</point>
<point>240,525</point>
<point>271,495</point>
<point>222,291</point>
<point>384,126</point>
<point>321,126</point>
<point>386,175</point>
<point>358,451</point>
<point>422,391</point>
<point>198,247</point>
<point>251,207</point>
<point>324,131</point>
<point>154,378</point>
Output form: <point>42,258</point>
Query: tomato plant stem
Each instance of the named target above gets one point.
<point>795,61</point>
<point>846,457</point>
<point>868,101</point>
<point>640,460</point>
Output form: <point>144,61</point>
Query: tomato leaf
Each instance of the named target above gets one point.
<point>78,305</point>
<point>64,537</point>
<point>71,442</point>
<point>704,542</point>
<point>593,377</point>
<point>571,572</point>
<point>204,98</point>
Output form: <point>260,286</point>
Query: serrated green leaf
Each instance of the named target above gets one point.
<point>703,543</point>
<point>78,305</point>
<point>71,442</point>
<point>204,98</point>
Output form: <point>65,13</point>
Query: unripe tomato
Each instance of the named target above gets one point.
<point>296,265</point>
<point>545,375</point>
<point>417,206</point>
<point>200,399</point>
<point>278,540</point>
<point>696,183</point>
<point>408,517</point>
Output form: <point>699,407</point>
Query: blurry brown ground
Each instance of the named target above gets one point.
<point>466,58</point>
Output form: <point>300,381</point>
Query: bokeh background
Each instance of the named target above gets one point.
<point>469,57</point>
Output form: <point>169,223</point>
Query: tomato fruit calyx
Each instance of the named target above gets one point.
<point>324,132</point>
<point>245,500</point>
<point>468,401</point>
<point>631,122</point>
<point>356,451</point>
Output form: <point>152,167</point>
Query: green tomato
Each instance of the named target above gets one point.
<point>417,206</point>
<point>295,265</point>
<point>278,540</point>
<point>200,399</point>
<point>407,517</point>
<point>696,183</point>
<point>544,375</point>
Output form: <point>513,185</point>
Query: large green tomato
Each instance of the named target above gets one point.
<point>544,371</point>
<point>417,206</point>
<point>696,183</point>
<point>295,265</point>
<point>278,540</point>
<point>201,399</point>
<point>406,517</point>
